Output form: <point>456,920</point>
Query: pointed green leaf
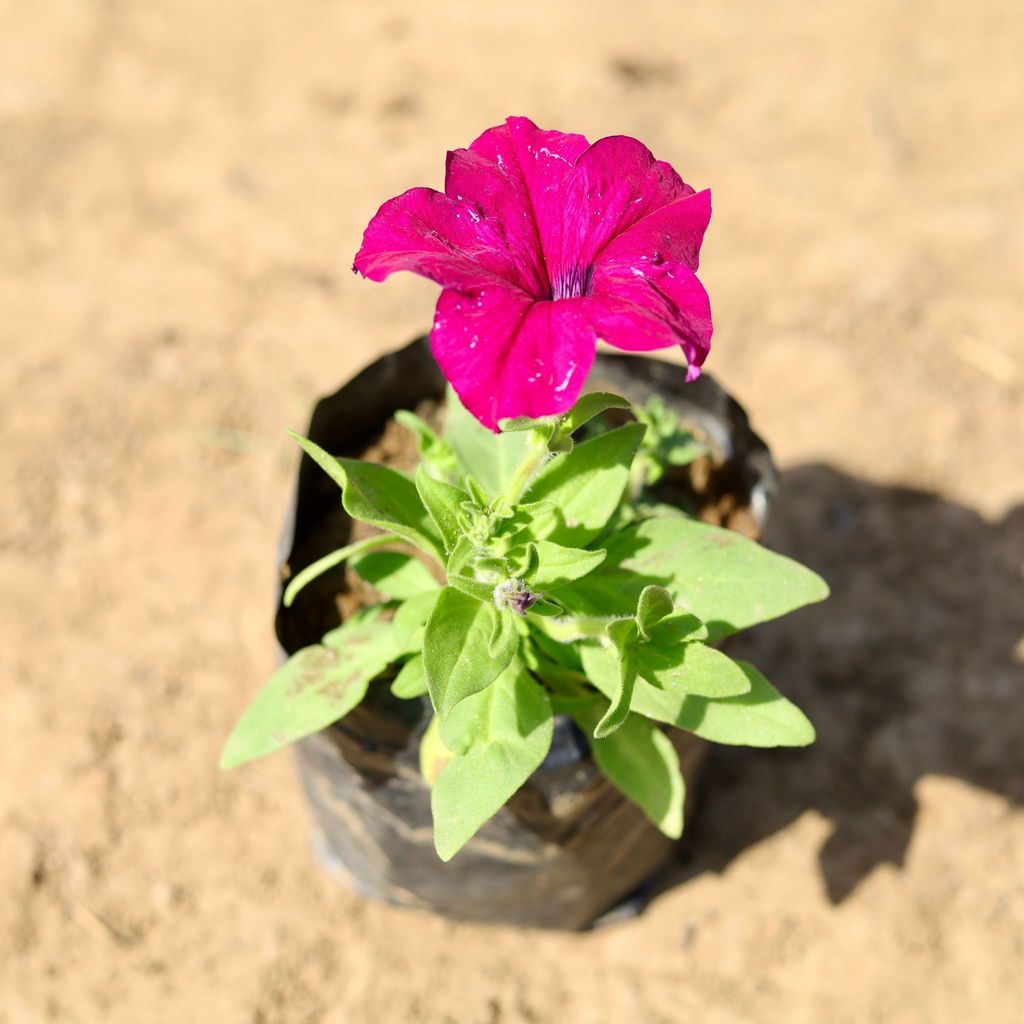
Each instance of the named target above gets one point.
<point>677,628</point>
<point>491,458</point>
<point>641,762</point>
<point>442,502</point>
<point>691,668</point>
<point>760,718</point>
<point>411,681</point>
<point>394,574</point>
<point>558,565</point>
<point>410,620</point>
<point>434,450</point>
<point>434,755</point>
<point>517,424</point>
<point>315,687</point>
<point>588,407</point>
<point>378,495</point>
<point>471,587</point>
<point>726,580</point>
<point>585,485</point>
<point>503,634</point>
<point>456,649</point>
<point>654,604</point>
<point>501,737</point>
<point>620,698</point>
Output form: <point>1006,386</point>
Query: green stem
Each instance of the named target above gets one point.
<point>329,561</point>
<point>532,461</point>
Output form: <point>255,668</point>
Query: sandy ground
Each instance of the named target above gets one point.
<point>182,188</point>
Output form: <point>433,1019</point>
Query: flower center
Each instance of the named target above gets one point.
<point>573,283</point>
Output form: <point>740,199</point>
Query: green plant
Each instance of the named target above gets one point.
<point>523,577</point>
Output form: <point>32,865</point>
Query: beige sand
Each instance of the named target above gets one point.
<point>183,186</point>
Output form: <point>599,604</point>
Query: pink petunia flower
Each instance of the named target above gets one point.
<point>543,245</point>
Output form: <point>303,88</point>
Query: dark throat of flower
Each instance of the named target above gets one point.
<point>572,283</point>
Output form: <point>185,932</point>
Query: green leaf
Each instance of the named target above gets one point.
<point>501,736</point>
<point>641,762</point>
<point>434,450</point>
<point>411,680</point>
<point>585,485</point>
<point>677,628</point>
<point>491,458</point>
<point>588,407</point>
<point>621,696</point>
<point>653,605</point>
<point>760,718</point>
<point>726,580</point>
<point>434,755</point>
<point>394,574</point>
<point>410,619</point>
<point>315,687</point>
<point>456,649</point>
<point>517,424</point>
<point>442,502</point>
<point>558,565</point>
<point>691,668</point>
<point>378,495</point>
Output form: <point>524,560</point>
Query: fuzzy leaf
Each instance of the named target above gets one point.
<point>691,668</point>
<point>378,495</point>
<point>500,737</point>
<point>641,762</point>
<point>411,681</point>
<point>434,755</point>
<point>434,450</point>
<point>653,605</point>
<point>394,574</point>
<point>675,629</point>
<point>585,485</point>
<point>558,565</point>
<point>726,580</point>
<point>410,620</point>
<point>621,695</point>
<point>442,502</point>
<point>491,458</point>
<point>457,651</point>
<point>588,407</point>
<point>315,687</point>
<point>760,718</point>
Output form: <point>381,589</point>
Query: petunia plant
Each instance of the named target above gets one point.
<point>526,570</point>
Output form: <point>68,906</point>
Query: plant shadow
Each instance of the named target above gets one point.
<point>914,667</point>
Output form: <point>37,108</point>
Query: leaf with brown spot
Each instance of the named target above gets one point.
<point>315,687</point>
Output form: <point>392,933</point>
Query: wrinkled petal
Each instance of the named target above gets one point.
<point>481,185</point>
<point>646,306</point>
<point>614,184</point>
<point>537,163</point>
<point>431,234</point>
<point>508,355</point>
<point>671,233</point>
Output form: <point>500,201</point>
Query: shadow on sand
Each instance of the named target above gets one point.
<point>914,667</point>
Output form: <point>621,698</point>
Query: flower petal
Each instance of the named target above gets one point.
<point>537,163</point>
<point>638,307</point>
<point>508,355</point>
<point>479,183</point>
<point>614,184</point>
<point>433,235</point>
<point>673,232</point>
